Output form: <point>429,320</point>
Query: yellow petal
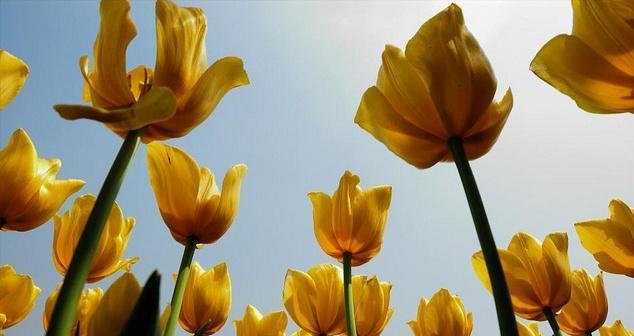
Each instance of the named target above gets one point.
<point>588,307</point>
<point>17,296</point>
<point>370,219</point>
<point>299,297</point>
<point>156,105</point>
<point>222,76</point>
<point>109,77</point>
<point>572,67</point>
<point>617,329</point>
<point>323,225</point>
<point>557,265</point>
<point>599,24</point>
<point>342,205</point>
<point>530,330</point>
<point>180,56</point>
<point>273,323</point>
<point>88,303</point>
<point>377,116</point>
<point>165,317</point>
<point>329,307</point>
<point>13,73</point>
<point>115,307</point>
<point>371,305</point>
<point>446,53</point>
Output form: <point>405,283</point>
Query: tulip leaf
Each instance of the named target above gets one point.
<point>145,316</point>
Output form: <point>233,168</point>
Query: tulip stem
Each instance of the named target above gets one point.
<point>503,305</point>
<point>552,321</point>
<point>347,293</point>
<point>64,313</point>
<point>179,287</point>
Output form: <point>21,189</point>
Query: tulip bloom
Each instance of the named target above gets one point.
<point>170,101</point>
<point>352,221</point>
<point>371,301</point>
<point>13,73</point>
<point>594,66</point>
<point>617,329</point>
<point>30,192</point>
<point>588,306</point>
<point>611,240</point>
<point>207,300</point>
<point>88,303</point>
<point>314,300</point>
<point>17,296</point>
<point>530,330</point>
<point>187,196</point>
<point>112,244</point>
<point>254,324</point>
<point>440,88</point>
<point>538,275</point>
<point>443,315</point>
<point>116,306</point>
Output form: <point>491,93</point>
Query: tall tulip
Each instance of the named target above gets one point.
<point>30,192</point>
<point>595,64</point>
<point>254,324</point>
<point>18,293</point>
<point>588,306</point>
<point>13,73</point>
<point>443,315</point>
<point>88,303</point>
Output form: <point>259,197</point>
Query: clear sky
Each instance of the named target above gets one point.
<point>309,63</point>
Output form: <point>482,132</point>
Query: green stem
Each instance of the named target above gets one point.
<point>179,287</point>
<point>347,294</point>
<point>552,321</point>
<point>503,306</point>
<point>65,309</point>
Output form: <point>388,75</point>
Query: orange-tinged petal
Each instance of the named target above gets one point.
<point>588,306</point>
<point>371,208</point>
<point>17,296</point>
<point>448,56</point>
<point>329,307</point>
<point>13,73</point>
<point>322,224</point>
<point>200,101</point>
<point>88,303</point>
<point>573,68</point>
<point>299,297</point>
<point>557,265</point>
<point>342,209</point>
<point>530,330</point>
<point>115,307</point>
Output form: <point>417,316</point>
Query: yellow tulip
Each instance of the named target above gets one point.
<point>538,275</point>
<point>112,244</point>
<point>352,221</point>
<point>371,300</point>
<point>116,306</point>
<point>207,299</point>
<point>254,324</point>
<point>314,300</point>
<point>528,330</point>
<point>595,65</point>
<point>13,73</point>
<point>88,303</point>
<point>30,193</point>
<point>187,195</point>
<point>170,101</point>
<point>617,329</point>
<point>301,333</point>
<point>588,306</point>
<point>443,315</point>
<point>17,296</point>
<point>611,240</point>
<point>441,87</point>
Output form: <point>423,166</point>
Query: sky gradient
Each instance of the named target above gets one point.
<point>309,63</point>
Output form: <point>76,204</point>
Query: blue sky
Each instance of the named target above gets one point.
<point>309,63</point>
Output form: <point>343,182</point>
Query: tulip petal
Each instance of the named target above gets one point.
<point>211,298</point>
<point>529,250</point>
<point>273,323</point>
<point>13,73</point>
<point>446,53</point>
<point>17,296</point>
<point>370,218</point>
<point>609,243</point>
<point>342,215</point>
<point>573,68</point>
<point>323,225</point>
<point>604,30</point>
<point>299,296</point>
<point>329,306</point>
<point>115,307</point>
<point>222,76</point>
<point>377,116</point>
<point>180,57</point>
<point>481,138</point>
<point>555,253</point>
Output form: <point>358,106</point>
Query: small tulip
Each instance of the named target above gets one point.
<point>88,303</point>
<point>528,330</point>
<point>588,306</point>
<point>352,220</point>
<point>371,301</point>
<point>314,300</point>
<point>441,87</point>
<point>115,307</point>
<point>207,300</point>
<point>13,73</point>
<point>112,244</point>
<point>187,196</point>
<point>30,193</point>
<point>617,329</point>
<point>254,324</point>
<point>17,296</point>
<point>170,101</point>
<point>594,66</point>
<point>443,315</point>
<point>611,240</point>
<point>538,275</point>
